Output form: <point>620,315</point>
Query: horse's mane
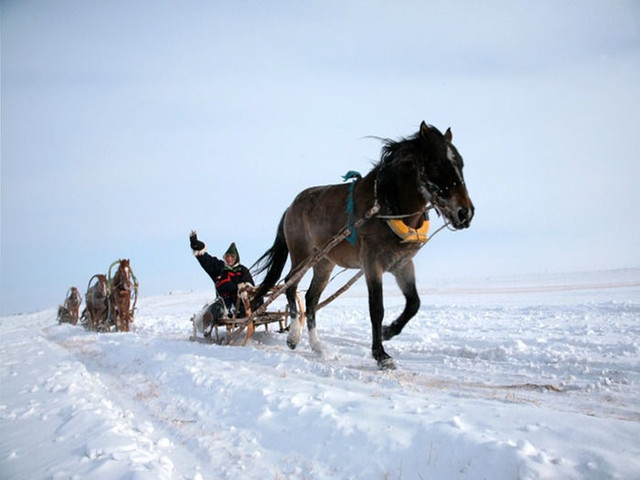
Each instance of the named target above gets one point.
<point>394,153</point>
<point>392,149</point>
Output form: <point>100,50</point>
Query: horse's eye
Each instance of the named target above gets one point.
<point>434,188</point>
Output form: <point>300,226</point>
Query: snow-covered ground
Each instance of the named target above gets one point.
<point>512,378</point>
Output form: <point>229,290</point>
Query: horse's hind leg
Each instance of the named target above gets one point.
<point>406,279</point>
<point>321,273</point>
<point>295,324</point>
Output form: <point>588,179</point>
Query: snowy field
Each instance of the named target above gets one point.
<point>511,378</point>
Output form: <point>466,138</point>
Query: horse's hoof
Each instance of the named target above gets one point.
<point>314,342</point>
<point>386,364</point>
<point>292,345</point>
<point>317,348</point>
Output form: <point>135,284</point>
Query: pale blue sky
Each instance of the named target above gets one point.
<point>126,124</point>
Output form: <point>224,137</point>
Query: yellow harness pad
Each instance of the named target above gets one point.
<point>408,234</point>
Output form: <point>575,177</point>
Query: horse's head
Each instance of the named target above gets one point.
<point>74,296</point>
<point>101,285</point>
<point>441,175</point>
<point>96,292</point>
<point>123,274</point>
<point>124,266</point>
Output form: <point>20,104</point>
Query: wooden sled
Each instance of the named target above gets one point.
<point>234,327</point>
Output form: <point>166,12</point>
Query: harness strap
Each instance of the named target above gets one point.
<point>355,176</point>
<point>407,233</point>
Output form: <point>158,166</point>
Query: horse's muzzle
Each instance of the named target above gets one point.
<point>461,217</point>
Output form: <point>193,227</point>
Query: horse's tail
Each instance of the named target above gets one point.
<point>273,261</point>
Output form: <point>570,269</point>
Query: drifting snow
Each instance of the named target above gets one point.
<point>526,378</point>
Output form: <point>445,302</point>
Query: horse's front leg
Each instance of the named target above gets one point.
<point>406,279</point>
<point>376,313</point>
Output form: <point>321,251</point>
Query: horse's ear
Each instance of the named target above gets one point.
<point>424,128</point>
<point>448,135</point>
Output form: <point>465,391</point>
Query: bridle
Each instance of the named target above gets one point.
<point>431,202</point>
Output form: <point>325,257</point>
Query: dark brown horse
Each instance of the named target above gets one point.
<point>96,310</point>
<point>414,174</point>
<point>122,289</point>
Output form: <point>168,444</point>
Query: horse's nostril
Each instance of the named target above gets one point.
<point>463,214</point>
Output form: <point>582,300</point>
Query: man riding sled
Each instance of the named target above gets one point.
<point>229,276</point>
